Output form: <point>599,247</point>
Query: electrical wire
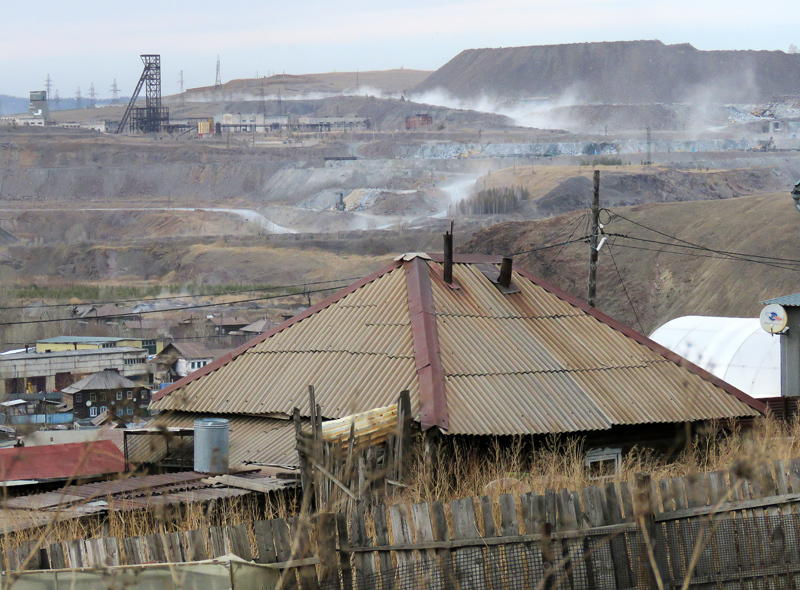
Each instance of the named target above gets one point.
<point>749,257</point>
<point>574,229</point>
<point>576,240</point>
<point>188,307</point>
<point>174,297</point>
<point>625,289</point>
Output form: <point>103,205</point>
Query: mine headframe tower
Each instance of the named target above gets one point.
<point>151,117</point>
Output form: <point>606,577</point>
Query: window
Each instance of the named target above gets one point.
<point>144,395</point>
<point>93,412</point>
<point>129,410</point>
<point>130,394</point>
<point>109,345</point>
<point>93,397</point>
<point>103,409</point>
<point>78,398</point>
<point>102,397</point>
<point>119,395</point>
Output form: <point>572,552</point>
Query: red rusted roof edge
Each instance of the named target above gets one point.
<point>224,360</point>
<point>644,340</point>
<point>430,373</point>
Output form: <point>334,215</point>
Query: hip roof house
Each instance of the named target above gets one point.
<point>477,357</point>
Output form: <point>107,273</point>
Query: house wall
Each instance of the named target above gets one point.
<point>123,402</point>
<point>18,371</point>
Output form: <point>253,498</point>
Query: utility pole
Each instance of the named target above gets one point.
<point>594,238</point>
<point>181,83</point>
<point>92,96</point>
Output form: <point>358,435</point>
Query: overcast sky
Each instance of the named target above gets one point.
<point>93,41</point>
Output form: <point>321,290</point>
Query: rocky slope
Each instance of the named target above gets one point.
<point>618,72</point>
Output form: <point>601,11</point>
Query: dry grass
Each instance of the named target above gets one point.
<point>559,463</point>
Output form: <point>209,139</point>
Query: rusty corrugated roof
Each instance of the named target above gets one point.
<point>62,461</point>
<point>476,360</point>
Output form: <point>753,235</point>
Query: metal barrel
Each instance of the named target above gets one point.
<point>211,445</point>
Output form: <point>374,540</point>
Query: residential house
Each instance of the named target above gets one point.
<point>483,354</point>
<point>178,359</point>
<point>107,390</point>
<point>225,325</point>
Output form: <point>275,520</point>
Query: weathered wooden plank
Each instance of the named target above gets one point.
<point>365,568</point>
<point>671,530</point>
<point>264,542</point>
<point>56,556</point>
<point>382,538</point>
<point>423,529</point>
<point>696,497</point>
<point>727,552</point>
<point>174,549</point>
<point>25,556</point>
<point>515,553</point>
<point>345,564</point>
<point>155,548</point>
<point>112,551</point>
<point>76,554</point>
<point>300,529</point>
<point>532,508</point>
<point>217,541</point>
<point>575,547</point>
<point>283,547</point>
<point>745,553</point>
<point>95,552</point>
<point>465,526</point>
<point>626,496</point>
<point>772,553</point>
<point>494,569</point>
<point>239,539</point>
<point>400,517</point>
<point>441,533</point>
<point>599,551</point>
<point>196,548</point>
<point>619,547</point>
<point>132,546</point>
<point>326,547</point>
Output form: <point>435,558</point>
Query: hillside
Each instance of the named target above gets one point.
<point>662,285</point>
<point>626,71</point>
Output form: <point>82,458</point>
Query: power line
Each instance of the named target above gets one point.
<point>698,246</point>
<point>782,263</point>
<point>574,229</point>
<point>576,240</point>
<point>173,297</point>
<point>625,289</point>
<point>199,306</point>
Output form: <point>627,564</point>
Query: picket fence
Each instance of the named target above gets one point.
<point>725,530</point>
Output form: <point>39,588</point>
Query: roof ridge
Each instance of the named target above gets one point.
<point>425,334</point>
<point>643,365</point>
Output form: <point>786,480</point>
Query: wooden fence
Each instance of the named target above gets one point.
<point>738,529</point>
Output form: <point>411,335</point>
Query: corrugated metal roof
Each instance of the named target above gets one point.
<point>533,361</point>
<point>253,441</point>
<point>357,352</point>
<point>102,380</point>
<point>60,461</point>
<point>790,300</point>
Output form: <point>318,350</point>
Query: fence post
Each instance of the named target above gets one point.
<point>644,514</point>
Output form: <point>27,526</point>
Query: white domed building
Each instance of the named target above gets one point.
<point>736,350</point>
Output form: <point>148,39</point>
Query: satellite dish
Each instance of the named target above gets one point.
<point>88,404</point>
<point>796,195</point>
<point>773,318</point>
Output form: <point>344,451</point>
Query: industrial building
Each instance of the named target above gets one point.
<point>64,343</point>
<point>35,372</point>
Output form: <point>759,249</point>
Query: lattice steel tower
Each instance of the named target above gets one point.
<point>151,117</point>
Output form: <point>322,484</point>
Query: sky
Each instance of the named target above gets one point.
<point>96,42</point>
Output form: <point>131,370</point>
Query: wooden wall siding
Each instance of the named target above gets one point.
<point>725,531</point>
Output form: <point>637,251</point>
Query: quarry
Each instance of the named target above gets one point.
<point>280,176</point>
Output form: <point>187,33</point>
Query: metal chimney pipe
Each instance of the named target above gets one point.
<point>448,256</point>
<point>505,272</point>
